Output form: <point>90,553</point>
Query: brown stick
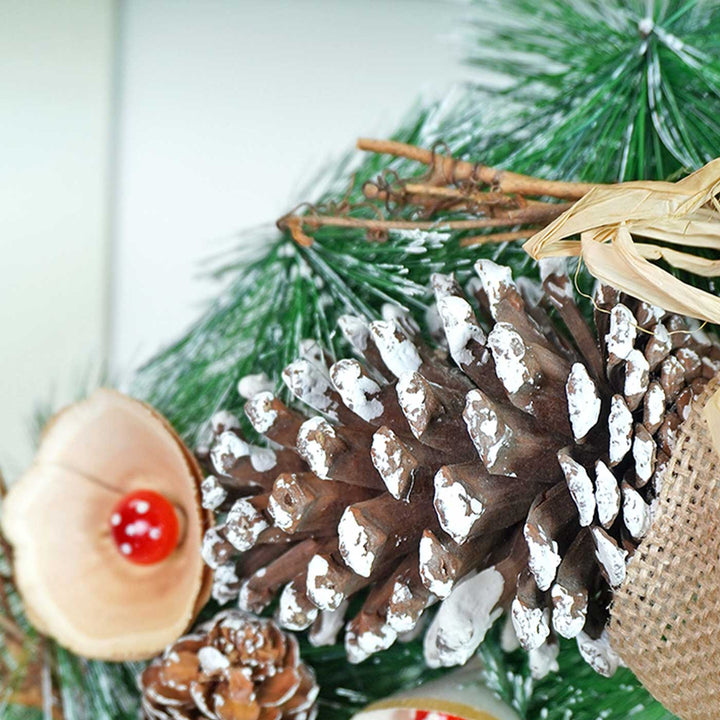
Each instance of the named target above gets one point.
<point>529,215</point>
<point>453,170</point>
<point>498,238</point>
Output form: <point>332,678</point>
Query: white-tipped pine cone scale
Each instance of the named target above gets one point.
<point>516,475</point>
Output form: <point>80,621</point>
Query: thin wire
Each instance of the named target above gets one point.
<point>608,312</point>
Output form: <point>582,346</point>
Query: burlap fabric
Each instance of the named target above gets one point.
<point>665,620</point>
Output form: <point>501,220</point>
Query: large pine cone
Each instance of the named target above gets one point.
<point>235,667</point>
<point>520,480</point>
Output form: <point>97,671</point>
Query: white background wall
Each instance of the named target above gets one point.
<point>117,180</point>
<point>228,109</point>
<point>55,121</point>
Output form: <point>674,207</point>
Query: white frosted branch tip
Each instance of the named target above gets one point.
<point>584,402</point>
<point>223,420</point>
<point>355,330</point>
<point>310,349</point>
<point>251,385</point>
<point>395,347</point>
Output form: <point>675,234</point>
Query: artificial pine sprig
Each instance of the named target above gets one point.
<point>603,90</point>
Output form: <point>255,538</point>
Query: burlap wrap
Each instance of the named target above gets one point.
<point>665,620</point>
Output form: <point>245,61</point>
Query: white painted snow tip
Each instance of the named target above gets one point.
<point>532,625</point>
<point>607,494</point>
<point>244,525</point>
<point>544,557</point>
<point>443,285</point>
<point>463,619</point>
<point>508,351</point>
<point>260,412</point>
<point>355,330</point>
<point>598,653</point>
<point>309,385</point>
<point>354,544</point>
<point>358,391</point>
<point>580,486</point>
<point>223,420</point>
<point>620,426</point>
<point>556,266</point>
<point>395,347</point>
<point>610,556</point>
<point>325,630</point>
<point>457,511</point>
<point>496,281</point>
<point>226,451</point>
<point>620,338</point>
<point>584,402</point>
<point>311,450</point>
<point>319,590</point>
<point>636,512</point>
<point>400,315</point>
<point>462,329</point>
<point>213,493</point>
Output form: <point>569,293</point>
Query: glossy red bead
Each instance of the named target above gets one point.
<point>145,527</point>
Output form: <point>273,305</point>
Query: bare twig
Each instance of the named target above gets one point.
<point>449,170</point>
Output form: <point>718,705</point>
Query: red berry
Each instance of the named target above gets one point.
<point>434,715</point>
<point>145,527</point>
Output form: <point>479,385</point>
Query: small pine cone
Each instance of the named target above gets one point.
<point>516,476</point>
<point>236,667</point>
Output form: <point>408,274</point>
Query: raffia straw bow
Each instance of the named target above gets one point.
<point>609,218</point>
